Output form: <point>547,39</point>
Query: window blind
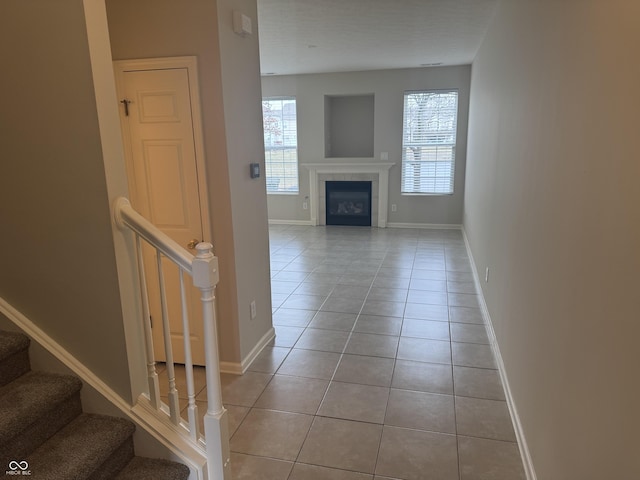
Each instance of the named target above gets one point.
<point>279,120</point>
<point>429,142</point>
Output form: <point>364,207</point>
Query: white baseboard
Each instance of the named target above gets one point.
<point>515,418</point>
<point>442,226</point>
<point>160,429</point>
<point>239,368</point>
<point>234,368</point>
<point>289,222</point>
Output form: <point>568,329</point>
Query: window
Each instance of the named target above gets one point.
<point>281,144</point>
<point>429,142</point>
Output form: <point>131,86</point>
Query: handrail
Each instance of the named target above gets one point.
<point>125,215</point>
<point>203,268</point>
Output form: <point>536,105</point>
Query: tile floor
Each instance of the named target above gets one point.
<point>381,367</point>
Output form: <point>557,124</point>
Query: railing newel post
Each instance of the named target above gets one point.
<point>206,277</point>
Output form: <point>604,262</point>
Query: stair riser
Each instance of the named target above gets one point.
<point>14,366</point>
<point>42,429</point>
<point>115,463</point>
<point>153,469</point>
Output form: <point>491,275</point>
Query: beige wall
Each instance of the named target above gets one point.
<point>56,247</point>
<point>227,70</point>
<point>552,207</point>
<point>388,86</point>
<point>243,121</point>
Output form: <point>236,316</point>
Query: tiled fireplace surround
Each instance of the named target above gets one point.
<point>375,172</point>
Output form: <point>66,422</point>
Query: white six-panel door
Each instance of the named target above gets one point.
<point>163,168</point>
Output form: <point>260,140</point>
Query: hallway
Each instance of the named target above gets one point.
<point>381,367</point>
<point>359,378</point>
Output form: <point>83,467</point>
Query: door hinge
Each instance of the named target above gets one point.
<point>150,321</point>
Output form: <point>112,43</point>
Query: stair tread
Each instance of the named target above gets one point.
<point>12,342</point>
<point>71,445</point>
<point>80,448</point>
<point>140,468</point>
<point>26,399</point>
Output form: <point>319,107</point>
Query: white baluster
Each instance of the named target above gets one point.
<point>152,374</point>
<point>205,277</point>
<point>192,409</point>
<point>174,403</point>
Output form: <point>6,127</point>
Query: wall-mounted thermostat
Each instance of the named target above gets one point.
<point>254,170</point>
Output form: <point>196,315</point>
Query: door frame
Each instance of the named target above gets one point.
<point>164,63</point>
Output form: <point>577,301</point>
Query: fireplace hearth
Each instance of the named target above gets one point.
<point>348,203</point>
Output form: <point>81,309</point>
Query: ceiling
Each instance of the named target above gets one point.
<point>313,36</point>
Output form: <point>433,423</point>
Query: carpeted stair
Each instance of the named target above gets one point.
<point>42,423</point>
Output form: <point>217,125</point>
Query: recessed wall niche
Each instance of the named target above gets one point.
<point>348,126</point>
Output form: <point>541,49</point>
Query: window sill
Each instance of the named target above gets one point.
<point>410,194</point>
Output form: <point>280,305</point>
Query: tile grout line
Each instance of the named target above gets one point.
<point>395,359</point>
<point>453,380</point>
<point>340,361</point>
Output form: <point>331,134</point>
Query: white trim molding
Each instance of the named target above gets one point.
<point>426,226</point>
<point>515,418</point>
<point>273,221</point>
<point>379,168</point>
<point>239,368</point>
<point>116,182</point>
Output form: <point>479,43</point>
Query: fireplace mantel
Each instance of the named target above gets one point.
<point>379,168</point>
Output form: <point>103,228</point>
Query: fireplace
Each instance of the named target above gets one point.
<point>376,172</point>
<point>348,203</point>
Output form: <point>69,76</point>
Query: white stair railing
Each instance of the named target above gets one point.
<point>203,269</point>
